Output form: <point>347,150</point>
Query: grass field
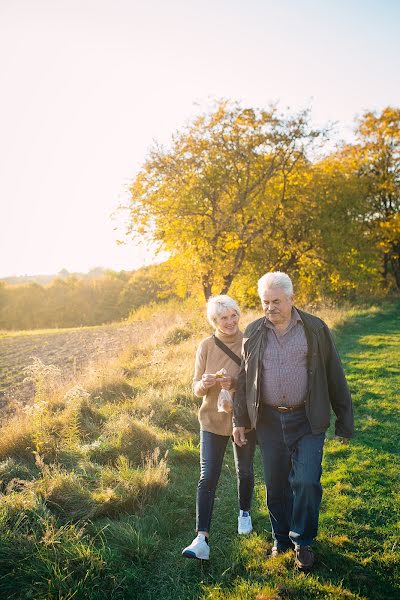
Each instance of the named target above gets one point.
<point>90,510</point>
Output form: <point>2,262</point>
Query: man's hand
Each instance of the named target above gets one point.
<point>239,436</point>
<point>343,440</point>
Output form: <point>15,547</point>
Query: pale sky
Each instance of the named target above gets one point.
<point>88,85</point>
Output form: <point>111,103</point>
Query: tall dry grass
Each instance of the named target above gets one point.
<point>98,476</point>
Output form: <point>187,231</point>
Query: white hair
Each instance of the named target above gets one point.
<point>276,279</point>
<point>218,305</point>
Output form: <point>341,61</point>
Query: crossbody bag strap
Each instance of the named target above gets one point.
<point>227,350</point>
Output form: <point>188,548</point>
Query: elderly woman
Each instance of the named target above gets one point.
<point>217,367</point>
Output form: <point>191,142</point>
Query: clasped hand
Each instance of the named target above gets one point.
<point>210,379</point>
<point>239,436</point>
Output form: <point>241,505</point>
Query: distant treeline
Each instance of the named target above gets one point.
<point>45,279</point>
<point>70,301</point>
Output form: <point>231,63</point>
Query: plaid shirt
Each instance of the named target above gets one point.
<point>284,380</point>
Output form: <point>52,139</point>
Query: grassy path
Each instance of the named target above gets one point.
<point>88,520</point>
<point>358,549</point>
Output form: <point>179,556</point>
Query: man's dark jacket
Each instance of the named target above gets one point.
<point>327,384</point>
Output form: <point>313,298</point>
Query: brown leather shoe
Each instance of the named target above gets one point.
<point>304,559</point>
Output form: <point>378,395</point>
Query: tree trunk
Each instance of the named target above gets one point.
<point>385,268</point>
<point>395,264</point>
<point>240,254</point>
<point>206,281</point>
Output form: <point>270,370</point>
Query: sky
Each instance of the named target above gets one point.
<point>87,86</point>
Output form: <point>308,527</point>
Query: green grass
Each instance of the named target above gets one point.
<point>92,519</point>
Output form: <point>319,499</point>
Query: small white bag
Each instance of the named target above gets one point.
<point>225,402</point>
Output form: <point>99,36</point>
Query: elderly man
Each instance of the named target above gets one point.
<point>291,375</point>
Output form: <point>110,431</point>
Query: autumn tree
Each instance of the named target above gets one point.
<point>217,192</point>
<point>379,156</point>
<point>319,237</point>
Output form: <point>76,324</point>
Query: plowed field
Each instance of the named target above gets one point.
<point>72,350</point>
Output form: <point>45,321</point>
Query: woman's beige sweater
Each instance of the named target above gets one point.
<point>210,359</point>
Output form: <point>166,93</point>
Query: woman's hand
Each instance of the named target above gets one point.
<point>208,380</point>
<point>225,382</point>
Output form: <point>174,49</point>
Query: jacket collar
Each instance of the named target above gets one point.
<point>310,321</point>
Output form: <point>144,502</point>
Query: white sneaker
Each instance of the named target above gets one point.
<point>244,524</point>
<point>198,548</point>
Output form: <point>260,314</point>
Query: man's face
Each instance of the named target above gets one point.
<point>277,306</point>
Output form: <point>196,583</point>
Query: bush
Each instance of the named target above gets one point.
<point>125,488</point>
<point>66,495</point>
<point>178,335</point>
<point>11,470</point>
<point>133,538</point>
<point>130,437</point>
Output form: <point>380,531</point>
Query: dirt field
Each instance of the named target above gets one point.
<point>71,350</point>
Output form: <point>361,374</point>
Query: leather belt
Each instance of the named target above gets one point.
<point>288,409</point>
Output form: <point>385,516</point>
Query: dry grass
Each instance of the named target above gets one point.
<point>90,449</point>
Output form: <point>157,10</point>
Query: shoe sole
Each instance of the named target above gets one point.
<point>245,532</point>
<point>279,553</point>
<point>302,567</point>
<point>190,554</point>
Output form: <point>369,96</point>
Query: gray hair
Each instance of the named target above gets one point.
<point>276,279</point>
<point>218,305</point>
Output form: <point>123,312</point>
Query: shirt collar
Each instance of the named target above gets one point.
<point>296,318</point>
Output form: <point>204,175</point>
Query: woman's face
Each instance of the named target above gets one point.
<point>228,322</point>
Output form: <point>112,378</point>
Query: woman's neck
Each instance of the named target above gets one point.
<point>227,337</point>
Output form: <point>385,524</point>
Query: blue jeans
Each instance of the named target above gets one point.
<point>212,451</point>
<point>292,457</point>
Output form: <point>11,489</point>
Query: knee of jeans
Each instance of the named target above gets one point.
<point>307,482</point>
<point>207,483</point>
<point>245,472</point>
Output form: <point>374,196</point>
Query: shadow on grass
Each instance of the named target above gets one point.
<point>371,580</point>
<point>336,574</point>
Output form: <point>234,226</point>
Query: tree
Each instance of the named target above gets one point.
<point>219,190</point>
<point>320,239</point>
<point>379,152</point>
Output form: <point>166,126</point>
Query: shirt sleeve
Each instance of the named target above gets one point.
<point>339,393</point>
<point>199,369</point>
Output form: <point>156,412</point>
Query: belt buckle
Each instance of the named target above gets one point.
<point>283,408</point>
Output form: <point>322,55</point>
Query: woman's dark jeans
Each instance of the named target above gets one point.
<point>292,457</point>
<point>212,451</point>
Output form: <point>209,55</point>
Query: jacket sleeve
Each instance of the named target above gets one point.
<point>339,393</point>
<point>240,414</point>
<point>199,368</point>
